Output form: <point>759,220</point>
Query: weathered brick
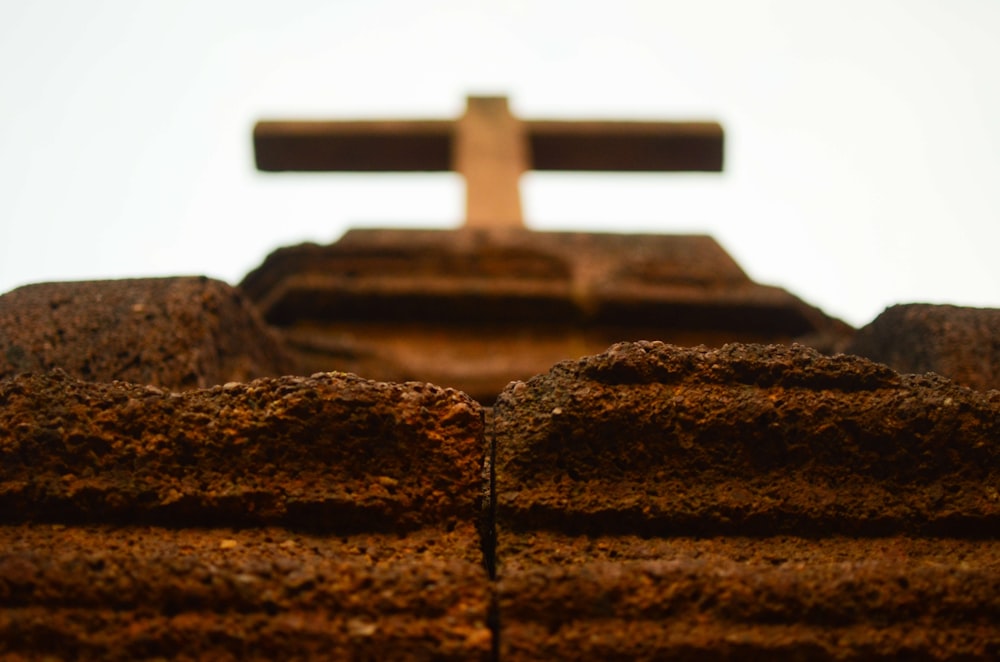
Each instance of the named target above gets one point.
<point>656,501</point>
<point>176,333</point>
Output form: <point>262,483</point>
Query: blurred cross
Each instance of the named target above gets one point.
<point>490,148</point>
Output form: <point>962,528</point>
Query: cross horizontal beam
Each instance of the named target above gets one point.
<point>426,146</point>
<point>490,147</point>
<point>626,146</point>
<point>396,146</point>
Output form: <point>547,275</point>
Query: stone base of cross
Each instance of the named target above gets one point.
<point>491,148</point>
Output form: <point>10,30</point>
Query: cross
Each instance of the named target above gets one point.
<point>490,147</point>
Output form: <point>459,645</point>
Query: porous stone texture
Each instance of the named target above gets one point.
<point>747,501</point>
<point>475,308</point>
<point>958,342</point>
<point>649,502</point>
<point>177,333</point>
<point>329,516</point>
<point>651,438</point>
<point>748,598</point>
<point>100,592</point>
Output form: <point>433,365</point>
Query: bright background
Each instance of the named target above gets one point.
<point>863,136</point>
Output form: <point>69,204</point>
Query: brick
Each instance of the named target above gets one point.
<point>177,333</point>
<point>958,342</point>
<point>329,516</point>
<point>657,501</point>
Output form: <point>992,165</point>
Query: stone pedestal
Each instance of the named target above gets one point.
<point>477,308</point>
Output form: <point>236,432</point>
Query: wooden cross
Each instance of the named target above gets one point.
<point>490,147</point>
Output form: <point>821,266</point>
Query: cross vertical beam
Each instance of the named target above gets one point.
<point>491,153</point>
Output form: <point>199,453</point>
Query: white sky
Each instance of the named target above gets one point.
<point>863,136</point>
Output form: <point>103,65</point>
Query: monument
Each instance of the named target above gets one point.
<point>494,301</point>
<point>649,501</point>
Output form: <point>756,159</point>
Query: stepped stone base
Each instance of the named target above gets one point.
<point>477,308</point>
<point>648,502</point>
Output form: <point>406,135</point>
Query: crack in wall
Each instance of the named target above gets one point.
<point>489,530</point>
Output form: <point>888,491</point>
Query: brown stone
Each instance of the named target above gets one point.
<point>960,343</point>
<point>176,333</point>
<point>650,502</point>
<point>747,501</point>
<point>475,309</point>
<point>292,517</point>
<point>652,438</point>
<point>331,452</point>
<point>748,598</point>
<point>100,592</point>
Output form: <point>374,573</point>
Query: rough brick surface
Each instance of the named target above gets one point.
<point>747,501</point>
<point>98,592</point>
<point>651,438</point>
<point>332,452</point>
<point>960,343</point>
<point>177,333</point>
<point>650,502</point>
<point>773,598</point>
<point>328,517</point>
